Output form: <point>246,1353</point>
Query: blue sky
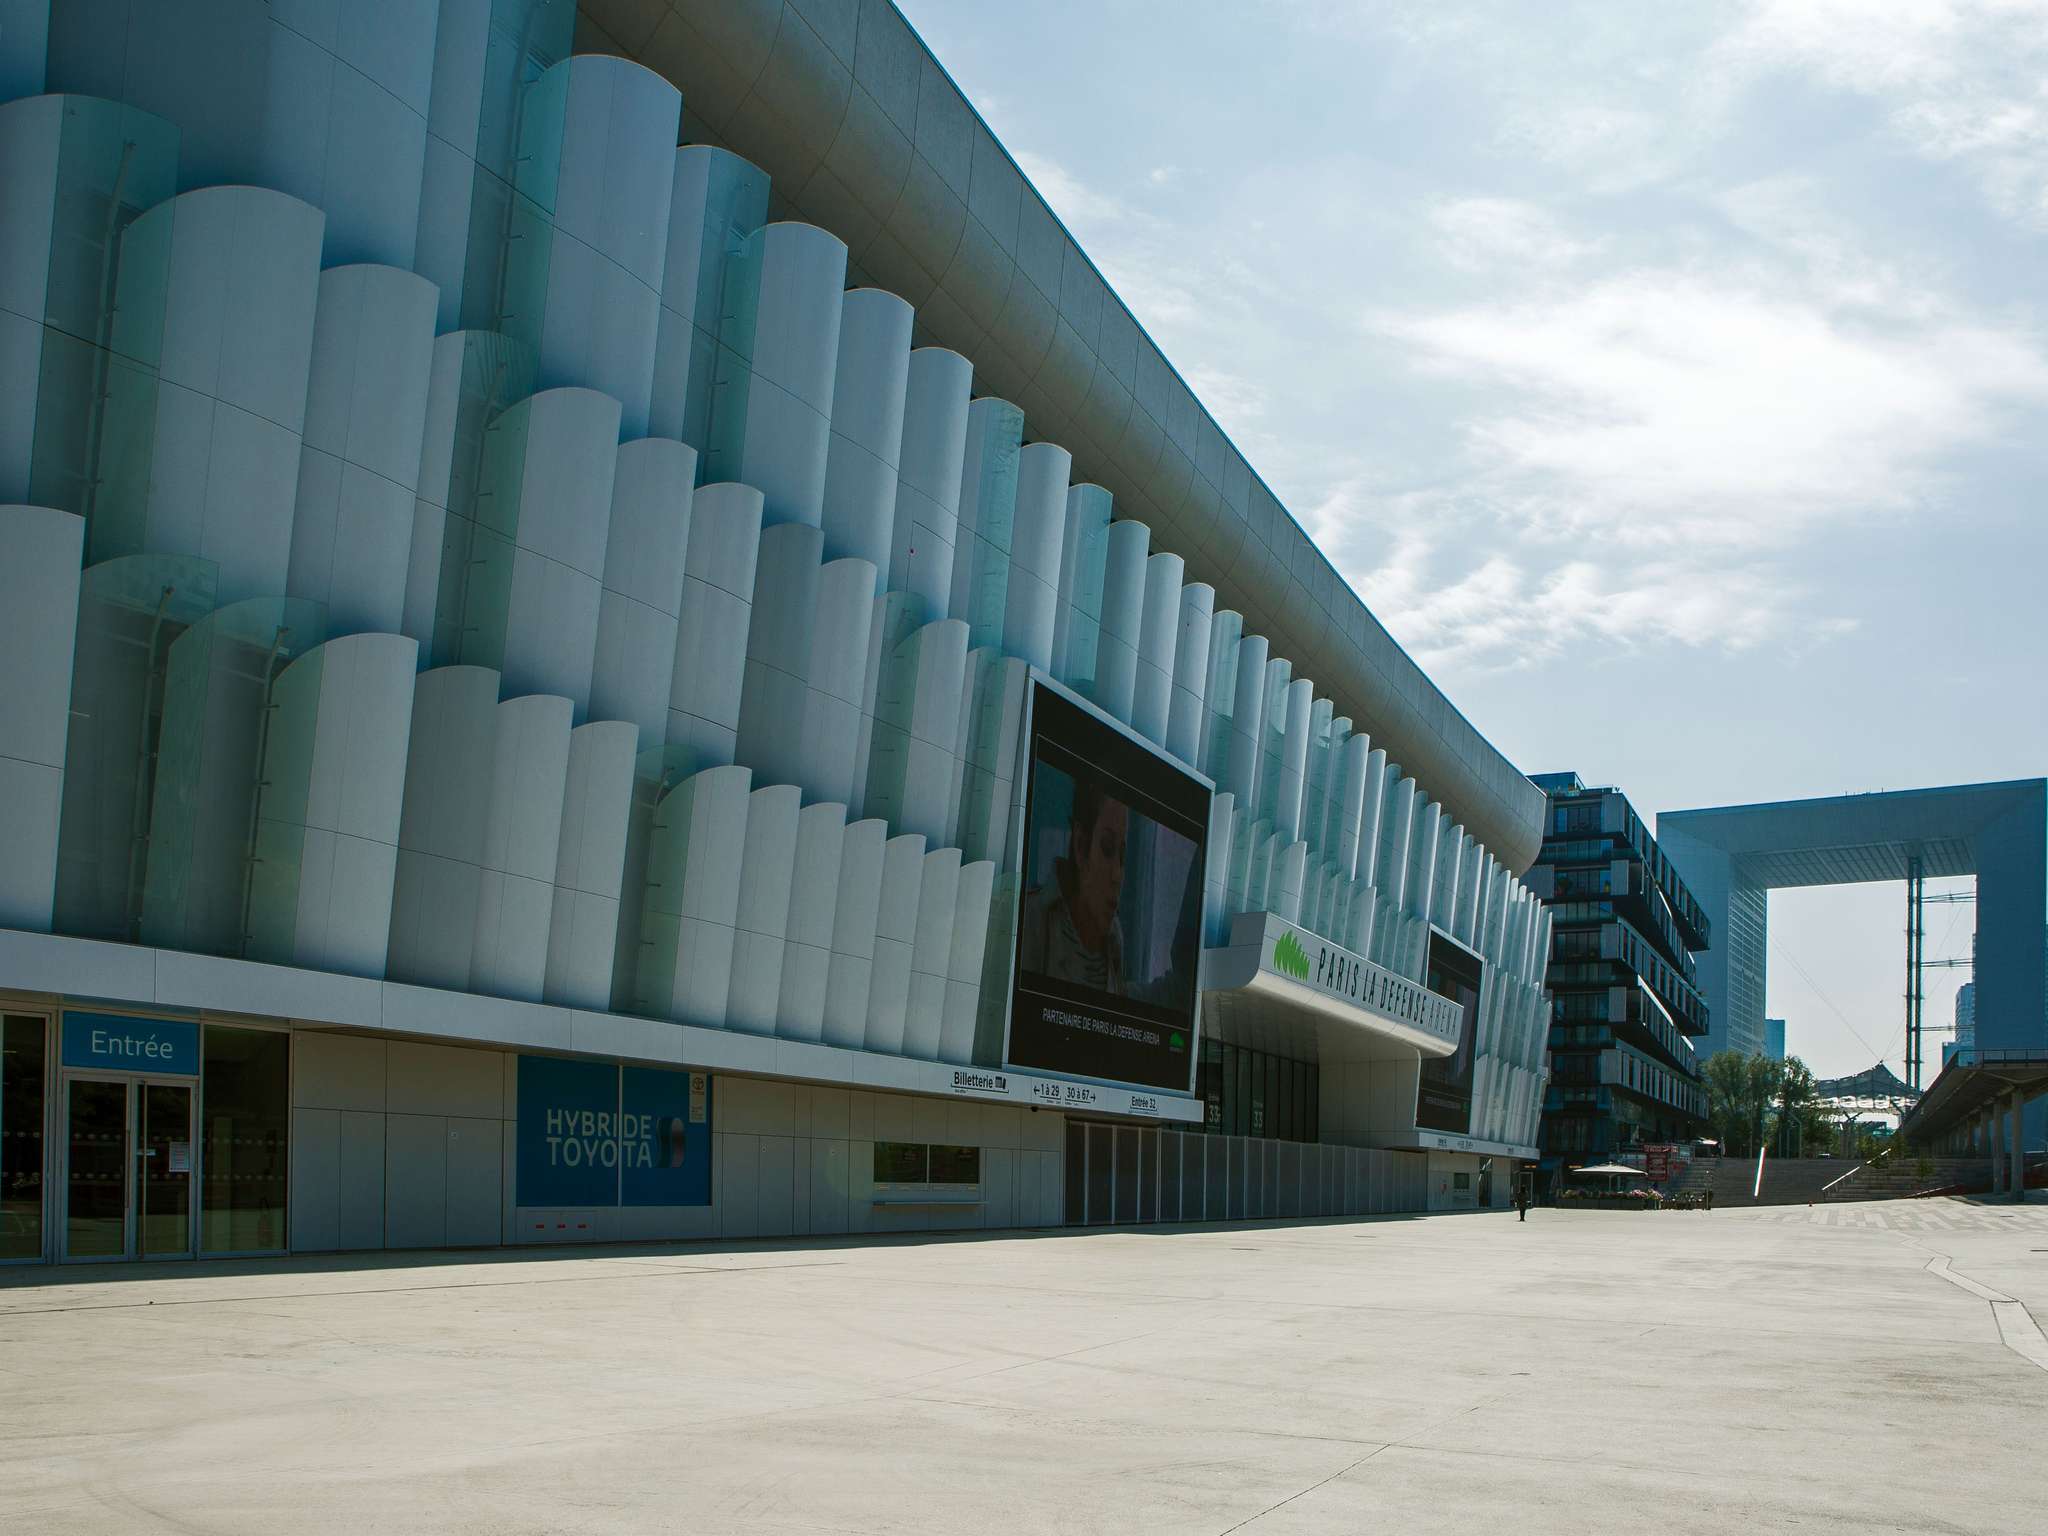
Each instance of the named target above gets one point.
<point>1671,380</point>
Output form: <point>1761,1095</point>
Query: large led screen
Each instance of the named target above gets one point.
<point>1443,1099</point>
<point>1109,925</point>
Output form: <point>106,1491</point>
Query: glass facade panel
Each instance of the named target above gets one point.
<point>1148,1175</point>
<point>245,1128</point>
<point>955,1165</point>
<point>23,1059</point>
<point>901,1162</point>
<point>1077,1173</point>
<point>1101,1168</point>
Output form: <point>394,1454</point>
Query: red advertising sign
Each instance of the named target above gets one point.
<point>1657,1161</point>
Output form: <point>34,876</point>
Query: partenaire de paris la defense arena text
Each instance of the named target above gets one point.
<point>545,704</point>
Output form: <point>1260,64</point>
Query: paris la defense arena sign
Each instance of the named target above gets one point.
<point>1269,955</point>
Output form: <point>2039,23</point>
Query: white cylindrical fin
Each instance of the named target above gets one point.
<point>829,745</point>
<point>359,460</point>
<point>1158,644</point>
<point>1191,663</point>
<point>773,430</point>
<point>590,864</point>
<point>921,547</point>
<point>1123,618</point>
<point>761,919</point>
<point>40,551</point>
<point>693,886</point>
<point>854,916</point>
<point>450,767</point>
<point>931,953</point>
<point>712,626</point>
<point>776,687</point>
<point>333,792</point>
<point>869,382</point>
<point>964,969</point>
<point>813,912</point>
<point>522,840</point>
<point>988,516</point>
<point>895,939</point>
<point>1084,553</point>
<point>634,669</point>
<point>1031,608</point>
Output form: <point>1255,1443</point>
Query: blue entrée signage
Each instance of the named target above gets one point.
<point>591,1134</point>
<point>112,1042</point>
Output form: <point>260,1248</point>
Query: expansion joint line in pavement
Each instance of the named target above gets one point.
<point>2016,1325</point>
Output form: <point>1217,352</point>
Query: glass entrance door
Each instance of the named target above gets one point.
<point>163,1170</point>
<point>128,1169</point>
<point>96,1194</point>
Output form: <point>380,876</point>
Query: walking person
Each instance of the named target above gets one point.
<point>1521,1199</point>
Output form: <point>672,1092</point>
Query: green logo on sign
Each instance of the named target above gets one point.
<point>1177,1040</point>
<point>1290,957</point>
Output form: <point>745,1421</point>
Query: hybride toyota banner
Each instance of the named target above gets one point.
<point>593,1133</point>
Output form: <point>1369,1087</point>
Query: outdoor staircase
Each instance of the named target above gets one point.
<point>1827,1180</point>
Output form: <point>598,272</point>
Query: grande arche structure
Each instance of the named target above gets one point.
<point>1732,857</point>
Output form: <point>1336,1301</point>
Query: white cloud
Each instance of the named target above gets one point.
<point>1075,202</point>
<point>1479,234</point>
<point>1671,407</point>
<point>1958,80</point>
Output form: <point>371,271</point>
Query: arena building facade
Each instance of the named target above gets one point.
<point>613,634</point>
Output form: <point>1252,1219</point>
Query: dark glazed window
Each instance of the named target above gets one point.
<point>956,1165</point>
<point>901,1162</point>
<point>244,1130</point>
<point>21,1138</point>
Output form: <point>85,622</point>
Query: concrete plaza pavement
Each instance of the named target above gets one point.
<point>1666,1373</point>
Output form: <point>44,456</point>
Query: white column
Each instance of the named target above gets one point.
<point>1424,846</point>
<point>473,376</point>
<point>693,885</point>
<point>449,769</point>
<point>761,919</point>
<point>1123,616</point>
<point>1084,555</point>
<point>543,521</point>
<point>1216,867</point>
<point>921,548</point>
<point>988,514</point>
<point>1191,666</point>
<point>854,922</point>
<point>1242,733</point>
<point>776,686</point>
<point>813,911</point>
<point>829,747</point>
<point>931,953</point>
<point>991,734</point>
<point>1158,645</point>
<point>1446,878</point>
<point>235,304</point>
<point>896,913</point>
<point>590,864</point>
<point>359,460</point>
<point>1354,832</point>
<point>913,772</point>
<point>608,244</point>
<point>522,841</point>
<point>712,625</point>
<point>1371,818</point>
<point>1031,607</point>
<point>894,618</point>
<point>634,666</point>
<point>333,792</point>
<point>1219,695</point>
<point>1290,789</point>
<point>1290,879</point>
<point>717,202</point>
<point>869,383</point>
<point>773,428</point>
<point>40,551</point>
<point>969,953</point>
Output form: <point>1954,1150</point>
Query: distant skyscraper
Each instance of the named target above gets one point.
<point>1966,1016</point>
<point>1774,1039</point>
